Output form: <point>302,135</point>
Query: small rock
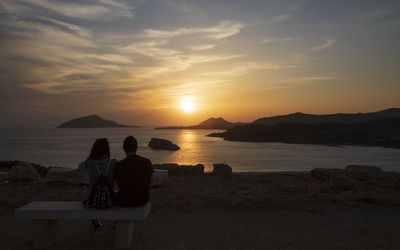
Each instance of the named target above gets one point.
<point>23,172</point>
<point>181,169</point>
<point>199,169</point>
<point>363,169</point>
<point>221,169</point>
<point>371,174</point>
<point>162,144</point>
<point>171,167</point>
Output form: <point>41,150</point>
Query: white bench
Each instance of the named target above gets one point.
<point>46,214</point>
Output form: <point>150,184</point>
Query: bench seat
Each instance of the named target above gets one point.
<point>45,214</point>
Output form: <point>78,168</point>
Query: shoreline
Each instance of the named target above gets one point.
<point>5,166</point>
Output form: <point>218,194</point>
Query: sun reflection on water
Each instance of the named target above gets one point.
<point>187,136</point>
<point>191,150</point>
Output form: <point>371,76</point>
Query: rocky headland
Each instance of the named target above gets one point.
<point>384,133</point>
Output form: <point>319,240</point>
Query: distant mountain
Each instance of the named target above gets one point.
<point>211,123</point>
<point>385,132</point>
<point>91,121</point>
<point>330,118</point>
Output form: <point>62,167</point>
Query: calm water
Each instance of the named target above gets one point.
<point>68,147</point>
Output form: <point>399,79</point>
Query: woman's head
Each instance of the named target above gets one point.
<point>100,149</point>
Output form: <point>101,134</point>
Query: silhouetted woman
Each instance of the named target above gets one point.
<point>98,161</point>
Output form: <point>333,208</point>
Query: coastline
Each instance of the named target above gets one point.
<point>339,145</point>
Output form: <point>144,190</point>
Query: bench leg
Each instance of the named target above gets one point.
<point>123,234</point>
<point>45,232</point>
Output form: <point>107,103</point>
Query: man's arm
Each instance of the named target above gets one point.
<point>150,167</point>
<point>116,177</point>
<point>149,172</point>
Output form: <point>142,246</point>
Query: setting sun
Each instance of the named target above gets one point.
<point>187,105</point>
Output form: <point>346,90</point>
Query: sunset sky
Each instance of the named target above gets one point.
<point>172,62</point>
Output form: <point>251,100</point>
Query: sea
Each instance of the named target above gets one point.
<point>68,147</point>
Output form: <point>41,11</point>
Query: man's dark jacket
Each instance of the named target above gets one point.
<point>133,176</point>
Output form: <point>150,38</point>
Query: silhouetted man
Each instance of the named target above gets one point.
<point>132,176</point>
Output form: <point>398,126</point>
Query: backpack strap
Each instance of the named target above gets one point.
<point>98,170</point>
<point>108,167</point>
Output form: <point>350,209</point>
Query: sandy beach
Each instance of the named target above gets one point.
<point>264,211</point>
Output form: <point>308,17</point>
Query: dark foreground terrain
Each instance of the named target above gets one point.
<point>270,211</point>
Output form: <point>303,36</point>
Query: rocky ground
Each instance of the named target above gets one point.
<point>330,210</point>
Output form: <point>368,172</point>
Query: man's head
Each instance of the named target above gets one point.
<point>130,145</point>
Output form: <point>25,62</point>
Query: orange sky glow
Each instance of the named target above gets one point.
<point>178,63</point>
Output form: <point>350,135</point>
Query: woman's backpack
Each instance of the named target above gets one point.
<point>102,194</point>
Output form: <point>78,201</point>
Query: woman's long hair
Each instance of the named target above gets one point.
<point>100,149</point>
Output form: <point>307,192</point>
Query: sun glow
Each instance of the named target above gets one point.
<point>187,105</point>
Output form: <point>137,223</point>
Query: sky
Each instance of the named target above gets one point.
<point>178,62</point>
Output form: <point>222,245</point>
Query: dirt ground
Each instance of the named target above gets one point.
<point>271,211</point>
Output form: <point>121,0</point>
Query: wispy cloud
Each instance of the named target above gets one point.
<point>109,9</point>
<point>59,57</point>
<point>202,47</point>
<point>178,63</point>
<point>169,58</point>
<point>328,43</point>
<point>223,29</point>
<point>245,68</point>
<point>285,39</point>
<point>72,27</point>
<point>310,79</point>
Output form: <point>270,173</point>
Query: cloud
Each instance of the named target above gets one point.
<point>285,39</point>
<point>303,80</point>
<point>58,57</point>
<point>66,58</point>
<point>311,79</point>
<point>202,47</point>
<point>328,43</point>
<point>245,68</point>
<point>168,57</point>
<point>110,9</point>
<point>75,28</point>
<point>178,63</point>
<point>152,48</point>
<point>61,55</point>
<point>72,9</point>
<point>223,29</point>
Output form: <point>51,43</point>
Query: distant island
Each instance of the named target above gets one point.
<point>92,121</point>
<point>372,129</point>
<point>211,123</point>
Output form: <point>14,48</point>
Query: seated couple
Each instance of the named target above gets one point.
<point>130,178</point>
